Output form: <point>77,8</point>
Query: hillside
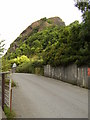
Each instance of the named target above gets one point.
<point>49,41</point>
<point>35,27</point>
<point>42,24</point>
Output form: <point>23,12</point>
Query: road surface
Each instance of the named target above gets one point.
<point>41,97</point>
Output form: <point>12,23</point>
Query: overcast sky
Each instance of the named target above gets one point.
<point>16,15</point>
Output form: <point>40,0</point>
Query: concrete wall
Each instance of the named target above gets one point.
<point>71,74</point>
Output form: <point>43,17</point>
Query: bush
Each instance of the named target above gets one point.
<point>31,67</point>
<point>49,21</point>
<point>20,60</point>
<point>25,68</point>
<point>10,115</point>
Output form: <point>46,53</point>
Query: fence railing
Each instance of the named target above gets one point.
<point>6,90</point>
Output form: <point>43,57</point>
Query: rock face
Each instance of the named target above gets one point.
<point>42,24</point>
<point>34,28</point>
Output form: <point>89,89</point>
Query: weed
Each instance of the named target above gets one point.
<point>10,115</point>
<point>12,83</point>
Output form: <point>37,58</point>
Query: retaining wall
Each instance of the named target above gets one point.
<point>71,74</point>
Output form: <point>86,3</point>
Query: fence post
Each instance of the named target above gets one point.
<point>3,89</point>
<point>10,92</point>
<point>11,100</point>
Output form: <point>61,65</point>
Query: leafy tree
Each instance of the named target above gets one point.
<point>85,31</point>
<point>1,47</point>
<point>84,6</point>
<point>85,9</point>
<point>20,60</point>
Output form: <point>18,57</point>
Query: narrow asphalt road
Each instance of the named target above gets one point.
<point>41,97</point>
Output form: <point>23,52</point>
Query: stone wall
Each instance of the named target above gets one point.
<point>71,74</point>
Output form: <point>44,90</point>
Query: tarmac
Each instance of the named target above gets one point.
<point>42,97</point>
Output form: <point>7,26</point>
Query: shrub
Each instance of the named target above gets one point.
<point>31,67</point>
<point>20,60</point>
<point>10,115</point>
<point>25,68</point>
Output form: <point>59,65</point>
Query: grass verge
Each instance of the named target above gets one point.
<point>10,115</point>
<point>12,83</point>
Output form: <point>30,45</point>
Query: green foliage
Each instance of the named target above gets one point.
<point>6,65</point>
<point>10,115</point>
<point>68,47</point>
<point>20,60</point>
<point>13,84</point>
<point>84,33</point>
<point>25,68</point>
<point>31,67</point>
<point>35,30</point>
<point>84,6</point>
<point>54,45</point>
<point>49,21</point>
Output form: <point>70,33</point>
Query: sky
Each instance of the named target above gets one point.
<point>17,15</point>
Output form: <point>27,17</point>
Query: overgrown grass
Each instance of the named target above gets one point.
<point>12,83</point>
<point>10,115</point>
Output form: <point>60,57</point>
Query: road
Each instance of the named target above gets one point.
<point>41,97</point>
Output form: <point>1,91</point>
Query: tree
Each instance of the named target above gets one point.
<point>84,6</point>
<point>85,9</point>
<point>1,47</point>
<point>85,31</point>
